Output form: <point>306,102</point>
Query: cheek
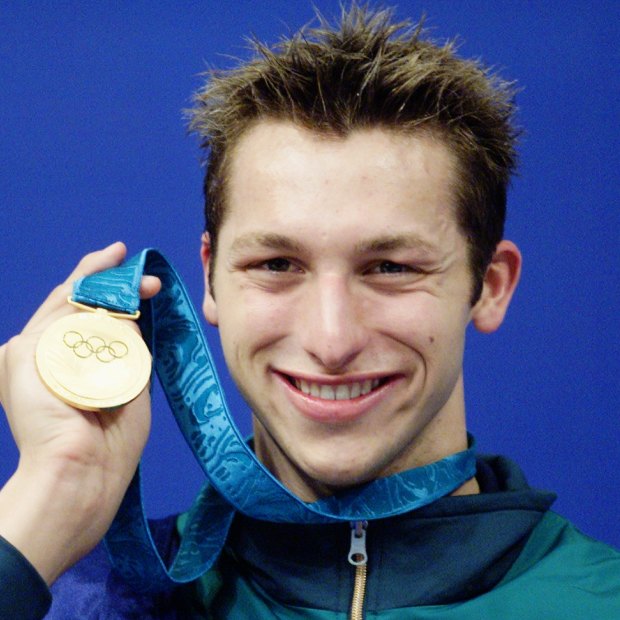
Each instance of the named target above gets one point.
<point>445,344</point>
<point>251,321</point>
<point>418,318</point>
<point>424,322</point>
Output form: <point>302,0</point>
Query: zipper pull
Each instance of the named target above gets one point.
<point>357,552</point>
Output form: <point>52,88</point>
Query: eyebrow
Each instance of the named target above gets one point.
<point>272,241</point>
<point>388,243</point>
<point>375,245</point>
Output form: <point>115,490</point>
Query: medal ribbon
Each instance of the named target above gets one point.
<point>237,481</point>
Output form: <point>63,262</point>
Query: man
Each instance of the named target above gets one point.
<point>355,202</point>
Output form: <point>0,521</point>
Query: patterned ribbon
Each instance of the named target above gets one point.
<point>237,481</point>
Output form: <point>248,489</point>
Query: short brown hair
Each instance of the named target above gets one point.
<point>367,71</point>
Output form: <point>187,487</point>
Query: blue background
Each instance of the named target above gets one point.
<point>94,148</point>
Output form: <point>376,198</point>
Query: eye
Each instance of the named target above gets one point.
<point>389,267</point>
<point>279,265</point>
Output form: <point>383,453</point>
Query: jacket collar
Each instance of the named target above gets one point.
<point>452,550</point>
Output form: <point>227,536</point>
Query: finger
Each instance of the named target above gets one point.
<point>54,310</point>
<point>111,256</point>
<point>149,287</point>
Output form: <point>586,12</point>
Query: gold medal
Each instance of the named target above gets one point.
<point>93,361</point>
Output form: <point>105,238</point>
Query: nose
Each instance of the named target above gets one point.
<point>332,327</point>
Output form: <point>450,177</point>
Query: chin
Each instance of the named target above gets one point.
<point>338,476</point>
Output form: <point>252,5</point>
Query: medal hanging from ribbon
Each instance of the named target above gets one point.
<point>236,480</point>
<point>92,361</point>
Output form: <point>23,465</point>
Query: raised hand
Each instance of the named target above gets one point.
<point>74,466</point>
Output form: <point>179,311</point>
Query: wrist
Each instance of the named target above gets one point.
<point>53,516</point>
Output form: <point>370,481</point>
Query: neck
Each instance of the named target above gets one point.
<point>471,487</point>
<point>310,490</point>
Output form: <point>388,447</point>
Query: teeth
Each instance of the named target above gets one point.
<point>343,391</point>
<point>327,392</point>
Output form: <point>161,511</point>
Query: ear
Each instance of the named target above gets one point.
<point>209,307</point>
<point>500,282</point>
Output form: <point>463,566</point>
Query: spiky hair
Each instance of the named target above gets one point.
<point>365,71</point>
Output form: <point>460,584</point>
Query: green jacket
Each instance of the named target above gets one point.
<point>501,554</point>
<point>559,574</point>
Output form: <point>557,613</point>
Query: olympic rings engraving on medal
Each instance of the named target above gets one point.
<point>94,345</point>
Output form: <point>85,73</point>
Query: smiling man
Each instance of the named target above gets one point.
<point>355,204</point>
<point>342,289</point>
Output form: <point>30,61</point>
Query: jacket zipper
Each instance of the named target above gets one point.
<point>358,558</point>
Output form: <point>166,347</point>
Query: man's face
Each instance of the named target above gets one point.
<point>341,291</point>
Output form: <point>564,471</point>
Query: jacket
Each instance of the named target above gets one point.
<point>501,554</point>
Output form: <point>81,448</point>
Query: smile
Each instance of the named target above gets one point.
<point>339,391</point>
<point>333,400</point>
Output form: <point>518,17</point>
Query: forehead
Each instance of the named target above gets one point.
<point>279,172</point>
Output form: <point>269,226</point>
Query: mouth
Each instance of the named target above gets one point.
<point>348,390</point>
<point>335,400</point>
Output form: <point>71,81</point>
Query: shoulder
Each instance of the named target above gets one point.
<point>561,573</point>
<point>556,541</point>
<point>560,568</point>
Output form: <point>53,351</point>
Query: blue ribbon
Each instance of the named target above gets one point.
<point>237,481</point>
